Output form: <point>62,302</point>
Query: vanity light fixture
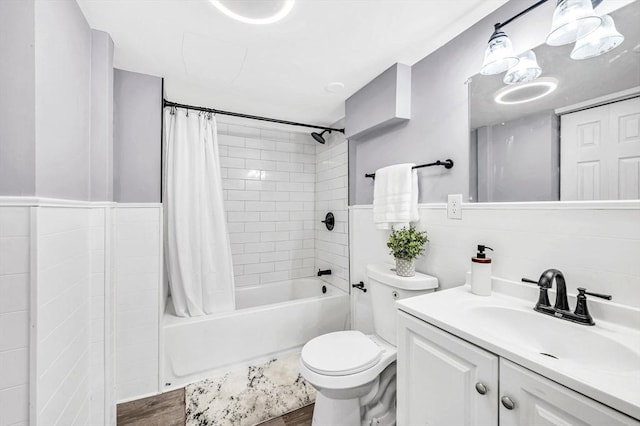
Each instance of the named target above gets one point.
<point>526,92</point>
<point>499,55</point>
<point>527,69</point>
<point>573,20</point>
<point>600,41</point>
<point>287,5</point>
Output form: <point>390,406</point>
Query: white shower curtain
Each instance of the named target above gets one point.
<point>197,249</point>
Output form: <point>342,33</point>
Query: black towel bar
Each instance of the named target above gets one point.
<point>448,163</point>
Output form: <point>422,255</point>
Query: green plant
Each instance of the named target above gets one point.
<point>407,243</point>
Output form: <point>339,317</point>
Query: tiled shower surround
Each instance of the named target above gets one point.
<point>269,182</point>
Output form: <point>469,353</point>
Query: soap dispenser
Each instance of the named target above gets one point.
<point>481,272</point>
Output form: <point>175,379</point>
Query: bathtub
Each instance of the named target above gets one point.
<point>270,318</point>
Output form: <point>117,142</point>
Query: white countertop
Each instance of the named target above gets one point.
<point>449,310</point>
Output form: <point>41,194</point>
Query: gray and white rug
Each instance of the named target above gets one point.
<point>249,395</point>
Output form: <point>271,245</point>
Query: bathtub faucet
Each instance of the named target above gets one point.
<point>325,272</point>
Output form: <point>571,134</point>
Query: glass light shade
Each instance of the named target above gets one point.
<point>600,41</point>
<point>527,69</point>
<point>499,55</point>
<point>572,19</point>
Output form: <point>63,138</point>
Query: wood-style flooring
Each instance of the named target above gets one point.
<point>168,409</point>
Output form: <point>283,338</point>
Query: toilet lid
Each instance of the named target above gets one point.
<point>340,353</point>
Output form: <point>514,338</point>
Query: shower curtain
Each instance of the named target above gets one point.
<point>197,249</point>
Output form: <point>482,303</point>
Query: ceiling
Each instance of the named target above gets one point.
<point>279,70</point>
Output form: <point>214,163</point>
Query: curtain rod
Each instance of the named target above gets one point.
<point>167,103</point>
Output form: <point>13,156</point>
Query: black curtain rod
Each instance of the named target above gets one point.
<point>448,163</point>
<point>167,103</point>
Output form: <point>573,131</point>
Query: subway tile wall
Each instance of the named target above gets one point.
<point>269,189</point>
<point>15,224</point>
<point>332,247</point>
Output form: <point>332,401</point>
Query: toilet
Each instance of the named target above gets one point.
<point>354,374</point>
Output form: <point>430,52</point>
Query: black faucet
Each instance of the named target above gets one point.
<point>561,308</point>
<point>325,272</point>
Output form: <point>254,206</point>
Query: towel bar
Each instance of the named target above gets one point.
<point>448,163</point>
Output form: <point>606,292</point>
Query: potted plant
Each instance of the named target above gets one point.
<point>406,245</point>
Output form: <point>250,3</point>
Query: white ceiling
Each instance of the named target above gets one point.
<point>278,70</point>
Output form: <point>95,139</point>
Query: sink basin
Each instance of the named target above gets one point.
<point>582,346</point>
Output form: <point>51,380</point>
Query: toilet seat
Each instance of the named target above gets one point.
<point>340,353</point>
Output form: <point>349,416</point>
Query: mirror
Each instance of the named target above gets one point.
<point>581,141</point>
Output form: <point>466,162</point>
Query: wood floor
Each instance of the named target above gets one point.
<point>168,409</point>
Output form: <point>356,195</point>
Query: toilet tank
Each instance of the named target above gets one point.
<point>386,287</point>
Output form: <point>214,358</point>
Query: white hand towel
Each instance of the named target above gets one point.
<point>395,196</point>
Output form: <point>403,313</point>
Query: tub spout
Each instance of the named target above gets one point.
<point>325,272</point>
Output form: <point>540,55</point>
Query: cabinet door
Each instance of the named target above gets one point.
<point>540,401</point>
<point>437,377</point>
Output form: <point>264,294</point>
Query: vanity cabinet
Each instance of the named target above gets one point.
<point>445,380</point>
<point>437,376</point>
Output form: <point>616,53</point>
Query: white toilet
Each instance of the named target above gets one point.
<point>353,373</point>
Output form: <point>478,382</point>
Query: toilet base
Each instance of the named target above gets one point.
<point>373,404</point>
<point>336,412</point>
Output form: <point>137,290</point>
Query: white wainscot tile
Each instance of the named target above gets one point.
<point>14,293</point>
<point>14,405</point>
<point>137,214</point>
<point>14,255</point>
<point>14,221</point>
<point>14,368</point>
<point>14,329</point>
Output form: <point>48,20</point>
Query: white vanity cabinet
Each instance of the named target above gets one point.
<point>437,377</point>
<point>540,401</point>
<point>444,380</point>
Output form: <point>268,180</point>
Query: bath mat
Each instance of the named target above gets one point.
<point>249,395</point>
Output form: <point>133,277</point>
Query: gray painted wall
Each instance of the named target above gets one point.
<point>137,137</point>
<point>63,100</point>
<point>101,116</point>
<point>385,101</point>
<point>17,98</point>
<point>438,128</point>
<point>519,160</point>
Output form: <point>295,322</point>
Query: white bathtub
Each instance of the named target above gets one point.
<point>269,318</point>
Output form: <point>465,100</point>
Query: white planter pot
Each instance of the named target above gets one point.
<point>405,268</point>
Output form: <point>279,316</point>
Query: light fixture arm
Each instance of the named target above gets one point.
<point>499,25</point>
<point>524,12</point>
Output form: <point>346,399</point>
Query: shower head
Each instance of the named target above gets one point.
<point>318,136</point>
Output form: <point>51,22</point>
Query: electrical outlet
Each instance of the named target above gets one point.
<point>454,206</point>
